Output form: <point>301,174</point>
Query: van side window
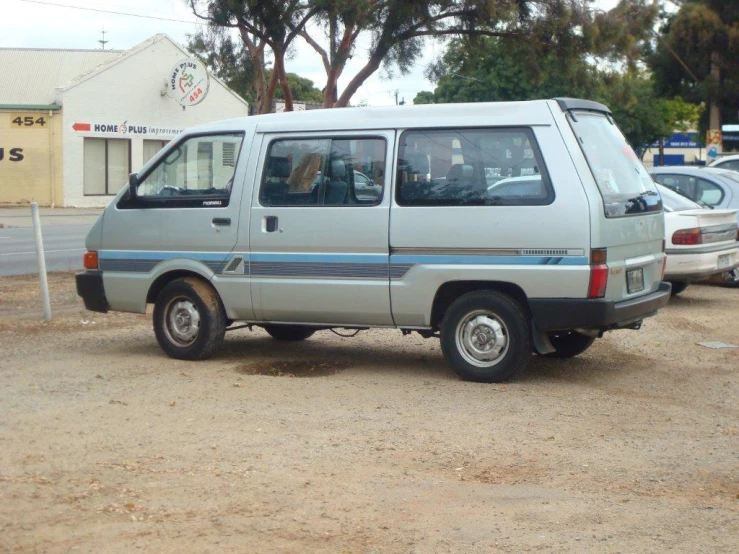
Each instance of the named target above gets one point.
<point>201,167</point>
<point>324,172</point>
<point>471,167</point>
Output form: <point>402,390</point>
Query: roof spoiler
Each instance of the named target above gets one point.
<point>568,104</point>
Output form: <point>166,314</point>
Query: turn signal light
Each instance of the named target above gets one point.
<point>687,236</point>
<point>90,260</point>
<point>598,273</point>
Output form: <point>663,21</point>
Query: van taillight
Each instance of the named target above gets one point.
<point>90,260</point>
<point>598,273</point>
<point>687,236</point>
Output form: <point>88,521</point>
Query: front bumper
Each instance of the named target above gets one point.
<point>90,288</point>
<point>558,314</point>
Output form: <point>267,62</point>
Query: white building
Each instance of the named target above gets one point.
<point>79,121</point>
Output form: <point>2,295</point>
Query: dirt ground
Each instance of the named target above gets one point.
<point>108,446</point>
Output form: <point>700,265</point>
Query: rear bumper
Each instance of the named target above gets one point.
<point>556,314</point>
<point>90,288</point>
<point>696,264</point>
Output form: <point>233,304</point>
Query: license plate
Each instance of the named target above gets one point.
<point>724,261</point>
<point>635,280</point>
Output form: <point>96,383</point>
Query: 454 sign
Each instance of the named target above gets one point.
<point>27,121</point>
<point>188,82</point>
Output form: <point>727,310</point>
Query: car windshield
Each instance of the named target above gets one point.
<point>624,184</point>
<point>676,202</point>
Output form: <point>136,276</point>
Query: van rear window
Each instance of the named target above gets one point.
<point>626,187</point>
<point>471,167</point>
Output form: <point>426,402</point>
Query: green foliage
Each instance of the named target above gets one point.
<point>682,60</point>
<point>491,70</point>
<point>304,90</point>
<point>424,97</point>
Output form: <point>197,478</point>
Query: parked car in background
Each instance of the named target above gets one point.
<point>727,162</point>
<point>710,187</point>
<point>701,243</point>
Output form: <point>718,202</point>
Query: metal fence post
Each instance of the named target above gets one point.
<point>41,260</point>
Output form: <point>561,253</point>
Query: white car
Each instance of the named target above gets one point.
<point>700,242</point>
<point>727,162</point>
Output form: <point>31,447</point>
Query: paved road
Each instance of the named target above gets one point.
<point>63,244</point>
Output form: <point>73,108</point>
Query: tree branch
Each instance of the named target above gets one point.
<point>317,47</point>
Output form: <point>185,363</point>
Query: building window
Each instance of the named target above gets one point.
<point>152,147</point>
<point>107,163</point>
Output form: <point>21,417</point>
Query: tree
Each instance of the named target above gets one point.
<point>230,61</point>
<point>261,24</point>
<point>697,57</point>
<point>489,69</point>
<point>397,31</point>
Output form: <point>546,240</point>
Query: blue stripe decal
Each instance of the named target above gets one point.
<point>161,256</point>
<point>320,258</point>
<point>368,266</point>
<point>487,260</point>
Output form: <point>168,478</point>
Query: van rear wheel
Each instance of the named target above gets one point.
<point>568,344</point>
<point>485,337</point>
<point>189,320</point>
<point>289,332</point>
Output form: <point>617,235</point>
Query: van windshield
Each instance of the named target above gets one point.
<point>626,187</point>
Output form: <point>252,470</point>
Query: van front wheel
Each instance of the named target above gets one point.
<point>189,320</point>
<point>485,337</point>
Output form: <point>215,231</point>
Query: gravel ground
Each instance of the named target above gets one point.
<point>106,445</point>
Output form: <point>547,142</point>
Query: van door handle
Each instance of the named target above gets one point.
<point>222,221</point>
<point>270,223</point>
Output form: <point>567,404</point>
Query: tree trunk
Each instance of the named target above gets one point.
<point>279,70</point>
<point>372,65</point>
<point>714,114</point>
<point>269,94</point>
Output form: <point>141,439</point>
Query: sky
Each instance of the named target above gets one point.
<point>39,24</point>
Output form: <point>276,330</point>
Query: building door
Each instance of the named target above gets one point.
<point>319,229</point>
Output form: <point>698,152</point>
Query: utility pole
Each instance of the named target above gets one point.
<point>103,42</point>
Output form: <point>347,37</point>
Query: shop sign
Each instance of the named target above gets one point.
<point>713,144</point>
<point>14,154</point>
<point>124,128</point>
<point>188,82</point>
<point>26,121</point>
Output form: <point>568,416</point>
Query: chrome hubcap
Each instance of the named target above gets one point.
<point>182,321</point>
<point>482,338</point>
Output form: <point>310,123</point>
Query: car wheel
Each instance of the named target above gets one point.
<point>568,344</point>
<point>485,337</point>
<point>189,320</point>
<point>289,332</point>
<point>678,287</point>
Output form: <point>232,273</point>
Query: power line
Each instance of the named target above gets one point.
<point>128,14</point>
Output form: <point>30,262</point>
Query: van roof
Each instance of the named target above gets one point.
<point>533,112</point>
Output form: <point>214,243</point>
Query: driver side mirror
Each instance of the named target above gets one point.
<point>133,184</point>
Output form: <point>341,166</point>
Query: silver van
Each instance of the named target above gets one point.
<point>505,229</point>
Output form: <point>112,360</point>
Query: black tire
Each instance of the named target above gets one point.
<point>490,316</point>
<point>678,287</point>
<point>568,344</point>
<point>177,306</point>
<point>289,332</point>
